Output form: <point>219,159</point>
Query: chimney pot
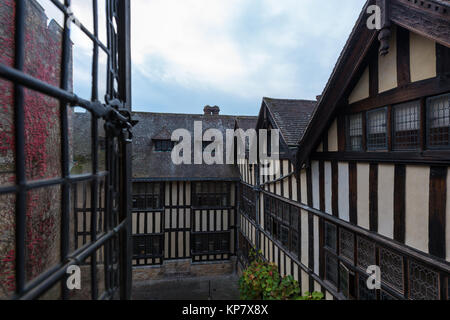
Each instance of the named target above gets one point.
<point>208,110</point>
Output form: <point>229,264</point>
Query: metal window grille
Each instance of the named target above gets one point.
<point>406,125</point>
<point>376,129</point>
<point>354,132</point>
<point>438,122</point>
<point>40,271</point>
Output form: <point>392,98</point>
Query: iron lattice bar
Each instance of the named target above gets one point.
<point>114,236</point>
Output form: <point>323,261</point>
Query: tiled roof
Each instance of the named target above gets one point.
<point>291,117</point>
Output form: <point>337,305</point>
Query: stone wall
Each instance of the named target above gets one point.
<point>184,268</point>
<point>43,41</point>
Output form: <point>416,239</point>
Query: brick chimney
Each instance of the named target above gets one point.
<point>209,111</point>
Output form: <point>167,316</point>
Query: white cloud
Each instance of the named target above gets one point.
<point>199,45</point>
<point>244,48</point>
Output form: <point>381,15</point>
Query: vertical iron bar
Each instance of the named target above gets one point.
<point>65,219</point>
<point>94,145</point>
<point>125,150</point>
<point>19,115</point>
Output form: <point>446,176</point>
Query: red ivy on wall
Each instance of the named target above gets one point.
<point>42,143</point>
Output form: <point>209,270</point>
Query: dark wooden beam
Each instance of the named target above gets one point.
<point>399,203</point>
<point>411,91</point>
<point>335,188</point>
<point>419,17</point>
<point>353,192</point>
<point>322,185</point>
<point>442,61</point>
<point>425,157</point>
<point>341,132</point>
<point>403,60</point>
<point>373,197</point>
<point>437,204</point>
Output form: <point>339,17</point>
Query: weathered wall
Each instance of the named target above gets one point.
<point>42,144</point>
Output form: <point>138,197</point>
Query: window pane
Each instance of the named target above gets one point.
<point>331,265</point>
<point>439,121</point>
<point>423,282</point>
<point>354,132</point>
<point>407,125</point>
<point>330,236</point>
<point>346,244</point>
<point>376,130</point>
<point>391,266</point>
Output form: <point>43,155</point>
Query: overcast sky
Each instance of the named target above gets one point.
<point>230,53</point>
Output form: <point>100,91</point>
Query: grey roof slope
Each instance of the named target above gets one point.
<point>291,117</point>
<point>246,122</point>
<point>158,165</point>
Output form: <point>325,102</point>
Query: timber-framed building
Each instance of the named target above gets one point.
<point>371,168</point>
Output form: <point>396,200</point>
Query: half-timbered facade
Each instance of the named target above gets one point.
<point>372,166</point>
<point>186,211</point>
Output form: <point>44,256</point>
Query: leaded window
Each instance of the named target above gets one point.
<point>247,202</point>
<point>346,244</point>
<point>406,125</point>
<point>213,242</point>
<point>147,196</point>
<point>377,129</point>
<point>211,194</point>
<point>331,269</point>
<point>438,113</point>
<point>330,236</point>
<point>366,253</point>
<point>355,132</point>
<point>391,266</point>
<point>147,246</point>
<point>281,220</point>
<point>423,282</point>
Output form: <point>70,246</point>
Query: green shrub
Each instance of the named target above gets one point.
<point>262,281</point>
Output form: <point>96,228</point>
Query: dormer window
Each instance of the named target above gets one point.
<point>164,145</point>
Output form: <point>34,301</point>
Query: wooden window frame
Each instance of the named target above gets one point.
<point>348,145</point>
<point>423,144</point>
<point>206,192</point>
<point>393,144</point>
<point>387,133</point>
<point>428,126</point>
<point>149,189</point>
